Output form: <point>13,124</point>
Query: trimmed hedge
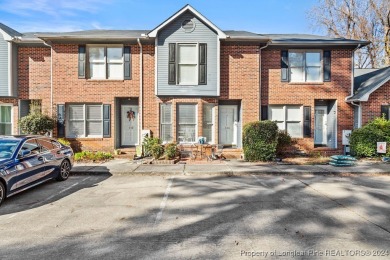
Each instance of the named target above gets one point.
<point>364,140</point>
<point>260,140</point>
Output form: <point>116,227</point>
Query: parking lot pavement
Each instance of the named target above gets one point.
<point>199,216</point>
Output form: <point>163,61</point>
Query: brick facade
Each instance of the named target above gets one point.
<point>34,75</point>
<point>239,81</point>
<point>372,108</point>
<point>249,77</point>
<point>275,92</point>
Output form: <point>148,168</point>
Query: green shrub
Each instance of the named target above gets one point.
<point>148,143</point>
<point>63,141</point>
<point>284,141</point>
<point>260,140</point>
<point>36,123</point>
<point>92,156</point>
<point>364,140</point>
<point>157,150</point>
<point>170,151</point>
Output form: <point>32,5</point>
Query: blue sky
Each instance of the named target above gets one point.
<point>260,16</point>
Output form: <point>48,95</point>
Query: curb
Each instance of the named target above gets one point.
<point>226,173</point>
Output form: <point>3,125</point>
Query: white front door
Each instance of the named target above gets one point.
<point>228,124</point>
<point>129,125</point>
<point>320,125</point>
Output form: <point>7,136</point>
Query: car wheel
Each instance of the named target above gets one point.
<point>64,170</point>
<point>2,192</point>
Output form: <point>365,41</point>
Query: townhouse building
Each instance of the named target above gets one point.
<point>184,79</point>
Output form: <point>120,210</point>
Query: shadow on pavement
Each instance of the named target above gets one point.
<point>49,192</point>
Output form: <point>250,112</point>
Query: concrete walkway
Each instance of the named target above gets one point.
<point>231,167</point>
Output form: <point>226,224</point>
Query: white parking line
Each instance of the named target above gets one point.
<point>164,201</point>
<point>259,181</point>
<point>61,191</point>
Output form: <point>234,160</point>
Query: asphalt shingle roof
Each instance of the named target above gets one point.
<point>11,32</point>
<point>367,83</point>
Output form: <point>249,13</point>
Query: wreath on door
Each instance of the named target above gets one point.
<point>131,114</point>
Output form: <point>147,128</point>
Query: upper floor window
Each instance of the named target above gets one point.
<point>104,62</point>
<point>305,66</point>
<point>187,64</point>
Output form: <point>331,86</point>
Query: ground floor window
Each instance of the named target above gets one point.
<point>5,120</point>
<point>288,118</point>
<point>208,124</point>
<point>84,120</point>
<point>186,123</point>
<point>166,123</point>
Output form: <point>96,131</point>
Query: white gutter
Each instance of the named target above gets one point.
<point>352,84</point>
<point>359,123</point>
<point>261,48</point>
<point>140,109</point>
<point>51,77</point>
<point>353,71</point>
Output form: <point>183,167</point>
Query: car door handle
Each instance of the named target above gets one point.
<point>40,158</point>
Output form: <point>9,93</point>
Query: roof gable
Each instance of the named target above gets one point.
<point>8,33</point>
<point>367,83</point>
<point>189,8</point>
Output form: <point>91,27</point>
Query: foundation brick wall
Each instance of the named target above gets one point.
<point>275,92</point>
<point>372,108</point>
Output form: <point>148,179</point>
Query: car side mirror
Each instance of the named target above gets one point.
<point>24,153</point>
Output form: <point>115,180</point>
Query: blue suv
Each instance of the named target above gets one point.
<point>27,161</point>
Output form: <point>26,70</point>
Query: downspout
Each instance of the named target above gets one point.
<point>261,48</point>
<point>140,109</point>
<point>352,84</point>
<point>51,80</point>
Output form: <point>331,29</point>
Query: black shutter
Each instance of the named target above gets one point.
<point>127,62</point>
<point>284,66</point>
<point>385,110</point>
<point>306,121</point>
<point>106,121</point>
<point>202,64</point>
<point>326,65</point>
<point>82,61</point>
<point>264,113</point>
<point>172,64</point>
<point>60,120</point>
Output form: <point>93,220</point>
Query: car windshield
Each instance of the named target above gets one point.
<point>7,148</point>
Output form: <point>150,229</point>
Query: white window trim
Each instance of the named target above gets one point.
<point>213,123</point>
<point>171,123</point>
<point>105,46</point>
<point>177,63</point>
<point>196,123</point>
<point>12,115</point>
<point>304,51</point>
<point>85,120</point>
<point>285,116</point>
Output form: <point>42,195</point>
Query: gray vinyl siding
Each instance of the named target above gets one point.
<point>14,70</point>
<point>173,33</point>
<point>4,88</point>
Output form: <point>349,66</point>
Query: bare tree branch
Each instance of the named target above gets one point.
<point>360,20</point>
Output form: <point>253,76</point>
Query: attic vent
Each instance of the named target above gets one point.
<point>188,26</point>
